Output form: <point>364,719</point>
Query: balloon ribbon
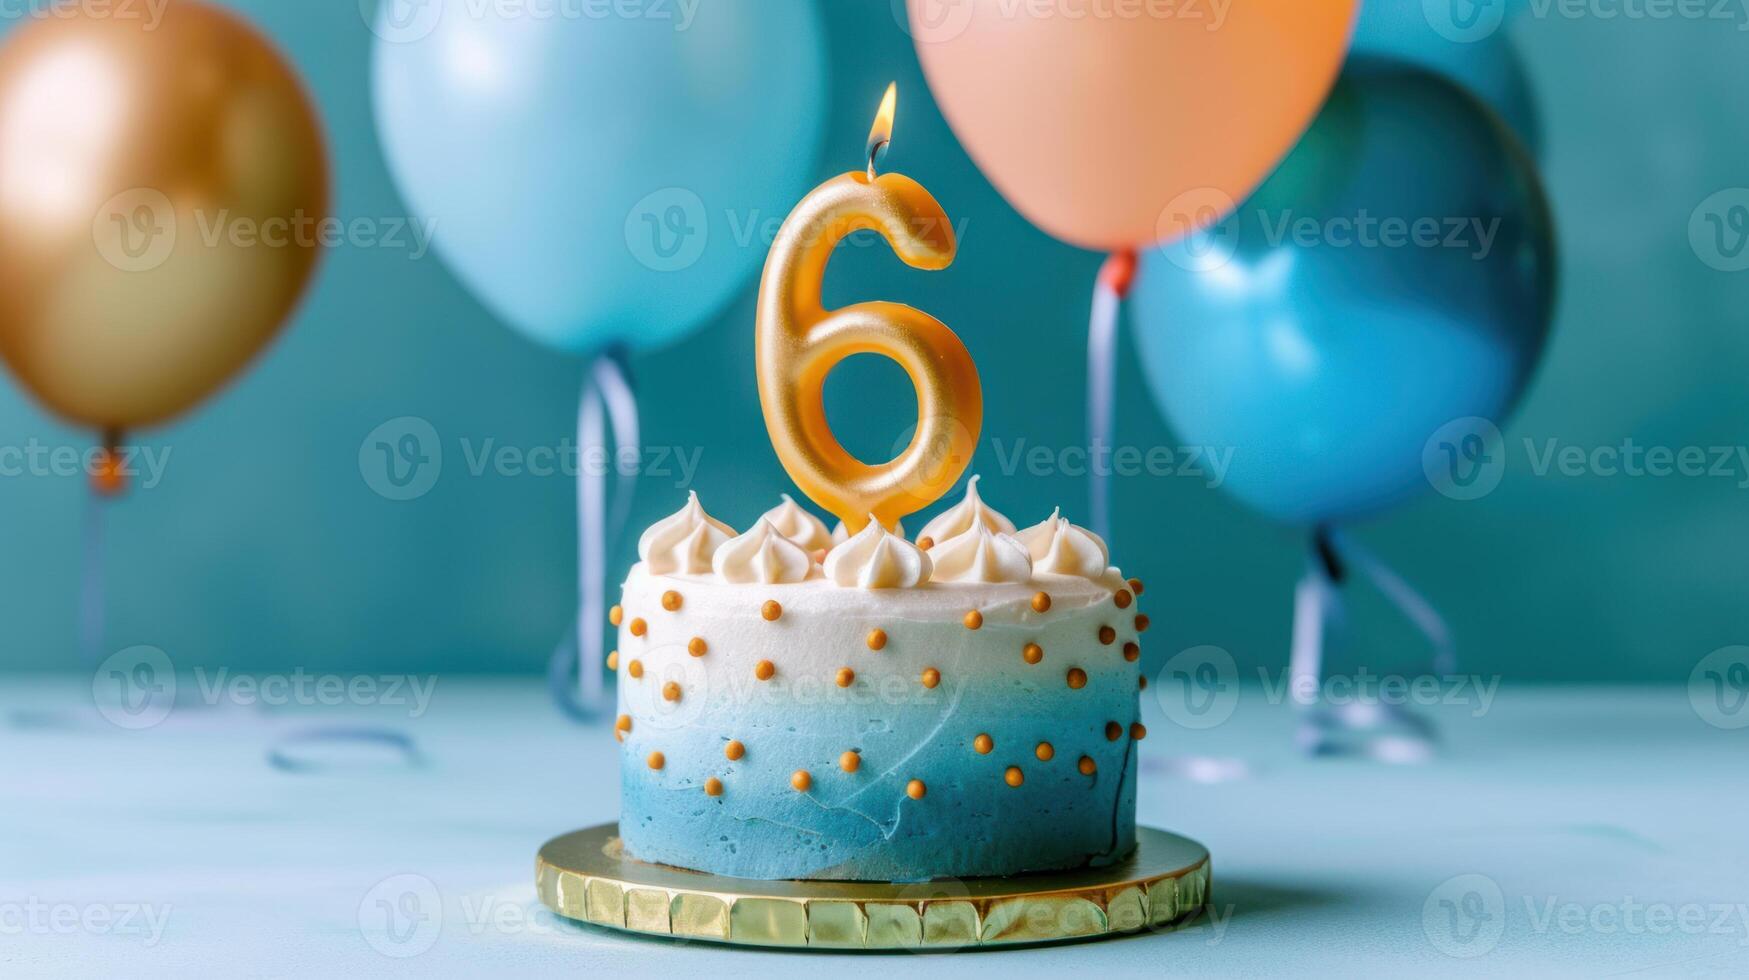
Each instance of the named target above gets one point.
<point>1381,731</point>
<point>608,401</point>
<point>1109,290</point>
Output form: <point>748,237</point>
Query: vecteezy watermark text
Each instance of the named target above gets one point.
<point>1207,463</point>
<point>141,466</point>
<point>37,917</point>
<point>402,458</point>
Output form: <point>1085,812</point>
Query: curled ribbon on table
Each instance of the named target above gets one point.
<point>608,401</point>
<point>1386,732</point>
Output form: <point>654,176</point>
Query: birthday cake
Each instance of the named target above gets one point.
<point>872,708</point>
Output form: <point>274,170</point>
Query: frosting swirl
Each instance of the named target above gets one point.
<point>684,541</point>
<point>762,555</point>
<point>798,525</point>
<point>841,534</point>
<point>877,559</point>
<point>979,556</point>
<point>1061,548</point>
<point>970,512</point>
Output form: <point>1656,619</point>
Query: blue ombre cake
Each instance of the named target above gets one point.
<point>865,708</point>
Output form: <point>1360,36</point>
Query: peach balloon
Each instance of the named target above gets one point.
<point>1115,124</point>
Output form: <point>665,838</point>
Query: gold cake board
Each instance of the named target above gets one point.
<point>585,876</point>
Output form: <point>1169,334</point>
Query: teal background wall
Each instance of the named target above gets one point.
<point>265,548</point>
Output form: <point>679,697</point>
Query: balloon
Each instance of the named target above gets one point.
<point>600,180</point>
<point>1479,56</point>
<point>1096,127</point>
<point>1394,275</point>
<point>162,192</point>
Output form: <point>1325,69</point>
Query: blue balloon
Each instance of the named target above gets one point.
<point>600,176</point>
<point>1464,40</point>
<point>1395,274</point>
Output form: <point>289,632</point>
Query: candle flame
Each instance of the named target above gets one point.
<point>881,133</point>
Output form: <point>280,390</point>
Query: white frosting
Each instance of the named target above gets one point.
<point>684,541</point>
<point>979,556</point>
<point>877,559</point>
<point>764,554</point>
<point>798,525</point>
<point>841,534</point>
<point>970,512</point>
<point>1061,548</point>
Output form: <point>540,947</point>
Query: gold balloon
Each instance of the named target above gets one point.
<point>799,342</point>
<point>163,195</point>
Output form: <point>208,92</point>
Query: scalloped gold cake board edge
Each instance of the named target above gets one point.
<point>585,876</point>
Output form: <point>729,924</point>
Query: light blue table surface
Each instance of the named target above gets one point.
<point>1597,832</point>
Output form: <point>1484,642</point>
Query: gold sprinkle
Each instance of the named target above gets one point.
<point>1136,586</point>
<point>1132,652</point>
<point>1141,624</point>
<point>1014,777</point>
<point>639,627</point>
<point>697,646</point>
<point>1141,682</point>
<point>1123,598</point>
<point>656,760</point>
<point>1045,752</point>
<point>1077,678</point>
<point>925,543</point>
<point>1041,602</point>
<point>931,677</point>
<point>1138,731</point>
<point>801,780</point>
<point>1087,766</point>
<point>1033,653</point>
<point>915,789</point>
<point>635,668</point>
<point>671,600</point>
<point>1107,635</point>
<point>983,744</point>
<point>764,669</point>
<point>877,639</point>
<point>771,610</point>
<point>615,615</point>
<point>734,750</point>
<point>713,787</point>
<point>613,660</point>
<point>846,677</point>
<point>850,762</point>
<point>1113,731</point>
<point>622,727</point>
<point>671,691</point>
<point>974,619</point>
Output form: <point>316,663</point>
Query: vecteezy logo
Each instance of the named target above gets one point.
<point>933,21</point>
<point>401,916</point>
<point>401,21</point>
<point>674,689</point>
<point>1198,688</point>
<point>1718,230</point>
<point>135,688</point>
<point>1195,232</point>
<point>667,230</point>
<point>135,231</point>
<point>401,458</point>
<point>1464,458</point>
<point>1465,916</point>
<point>1464,21</point>
<point>1718,687</point>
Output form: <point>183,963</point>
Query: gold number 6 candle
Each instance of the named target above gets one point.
<point>799,342</point>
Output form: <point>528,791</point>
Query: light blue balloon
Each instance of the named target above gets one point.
<point>1333,369</point>
<point>1467,41</point>
<point>600,173</point>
